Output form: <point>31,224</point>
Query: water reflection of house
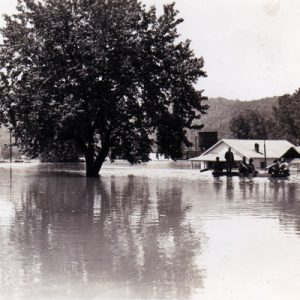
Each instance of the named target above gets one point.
<point>254,149</point>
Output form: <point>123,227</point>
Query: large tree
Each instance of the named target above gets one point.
<point>109,75</point>
<point>287,114</point>
<point>250,124</point>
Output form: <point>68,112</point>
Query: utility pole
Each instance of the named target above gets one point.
<point>10,144</point>
<point>265,153</point>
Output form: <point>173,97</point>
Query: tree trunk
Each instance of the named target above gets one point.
<point>93,166</point>
<point>92,170</point>
<point>93,161</point>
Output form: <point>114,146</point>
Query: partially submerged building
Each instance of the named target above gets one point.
<point>263,152</point>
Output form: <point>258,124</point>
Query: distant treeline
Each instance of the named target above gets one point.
<point>270,118</point>
<point>221,111</point>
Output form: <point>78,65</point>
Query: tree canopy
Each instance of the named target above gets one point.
<point>249,124</point>
<point>108,76</point>
<point>287,115</point>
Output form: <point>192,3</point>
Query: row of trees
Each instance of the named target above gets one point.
<point>283,123</point>
<point>98,75</point>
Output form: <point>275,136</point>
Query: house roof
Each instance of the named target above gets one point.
<point>274,149</point>
<point>221,154</point>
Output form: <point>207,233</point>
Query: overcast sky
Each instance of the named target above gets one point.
<point>251,48</point>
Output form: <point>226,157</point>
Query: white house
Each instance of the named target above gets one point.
<point>258,150</point>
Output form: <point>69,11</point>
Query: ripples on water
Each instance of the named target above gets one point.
<point>157,232</point>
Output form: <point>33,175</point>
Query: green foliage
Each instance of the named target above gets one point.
<point>240,127</point>
<point>249,124</point>
<point>102,74</point>
<point>222,111</point>
<point>287,115</point>
<point>60,152</point>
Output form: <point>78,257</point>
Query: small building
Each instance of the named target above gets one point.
<point>207,139</point>
<point>263,152</point>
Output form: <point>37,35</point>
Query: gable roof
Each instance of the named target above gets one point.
<point>274,148</point>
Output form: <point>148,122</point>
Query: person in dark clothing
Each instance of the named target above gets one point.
<point>243,167</point>
<point>284,167</point>
<point>251,167</point>
<point>229,157</point>
<point>274,168</point>
<point>218,166</point>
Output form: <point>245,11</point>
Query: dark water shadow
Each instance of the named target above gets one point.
<point>97,237</point>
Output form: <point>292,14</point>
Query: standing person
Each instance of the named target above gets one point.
<point>229,157</point>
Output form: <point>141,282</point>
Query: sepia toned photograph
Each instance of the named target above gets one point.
<point>149,150</point>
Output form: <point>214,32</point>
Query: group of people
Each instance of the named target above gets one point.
<point>229,157</point>
<point>278,167</point>
<point>246,168</point>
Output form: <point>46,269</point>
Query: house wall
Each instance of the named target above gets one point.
<point>258,162</point>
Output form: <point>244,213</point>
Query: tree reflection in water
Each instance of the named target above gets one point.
<point>108,238</point>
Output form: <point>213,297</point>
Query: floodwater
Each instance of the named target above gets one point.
<point>147,232</point>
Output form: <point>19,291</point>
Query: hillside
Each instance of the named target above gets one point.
<point>221,111</point>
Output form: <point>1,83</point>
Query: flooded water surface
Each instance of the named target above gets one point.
<point>155,232</point>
